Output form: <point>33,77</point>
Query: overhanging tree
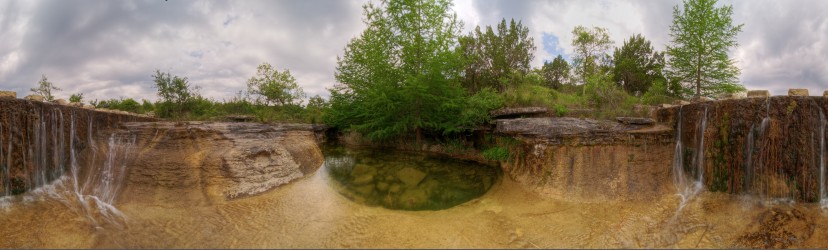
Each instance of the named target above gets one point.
<point>701,35</point>
<point>401,74</point>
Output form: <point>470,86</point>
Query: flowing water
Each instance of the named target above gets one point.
<point>321,210</point>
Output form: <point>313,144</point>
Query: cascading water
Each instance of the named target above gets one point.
<point>823,197</point>
<point>688,186</point>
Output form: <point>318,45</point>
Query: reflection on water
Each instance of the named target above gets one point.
<point>405,181</point>
<point>311,213</point>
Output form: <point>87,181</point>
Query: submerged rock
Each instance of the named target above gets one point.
<point>410,176</point>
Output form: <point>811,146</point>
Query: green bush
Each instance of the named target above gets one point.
<point>496,153</point>
<point>560,110</point>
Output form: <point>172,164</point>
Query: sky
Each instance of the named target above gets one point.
<point>110,49</point>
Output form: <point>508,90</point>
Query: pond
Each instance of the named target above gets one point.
<point>406,181</point>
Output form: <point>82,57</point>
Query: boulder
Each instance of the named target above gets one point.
<point>8,94</point>
<point>410,176</point>
<point>60,102</point>
<point>38,98</point>
<point>504,112</point>
<point>758,94</point>
<point>798,92</point>
<point>76,104</point>
<point>700,99</point>
<point>680,102</point>
<point>635,120</point>
<point>825,94</point>
<point>89,106</point>
<point>665,105</point>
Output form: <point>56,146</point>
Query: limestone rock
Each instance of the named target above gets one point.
<point>700,99</point>
<point>8,94</point>
<point>38,98</point>
<point>239,118</point>
<point>665,105</point>
<point>510,112</point>
<point>635,120</point>
<point>217,161</point>
<point>778,228</point>
<point>798,92</point>
<point>410,176</point>
<point>76,104</point>
<point>89,106</point>
<point>825,94</point>
<point>60,102</point>
<point>680,102</point>
<point>758,94</point>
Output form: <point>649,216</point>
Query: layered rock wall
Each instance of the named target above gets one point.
<point>37,138</point>
<point>590,160</point>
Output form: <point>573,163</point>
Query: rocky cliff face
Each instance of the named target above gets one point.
<point>37,140</point>
<point>588,159</point>
<point>213,162</point>
<point>769,147</point>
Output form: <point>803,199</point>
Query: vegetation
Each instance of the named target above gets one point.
<point>701,37</point>
<point>493,55</point>
<point>637,65</point>
<point>274,87</point>
<point>556,73</point>
<point>591,48</point>
<point>45,88</point>
<point>76,98</point>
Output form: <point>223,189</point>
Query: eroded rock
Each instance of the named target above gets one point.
<point>38,98</point>
<point>61,102</point>
<point>778,228</point>
<point>635,120</point>
<point>513,112</point>
<point>214,162</point>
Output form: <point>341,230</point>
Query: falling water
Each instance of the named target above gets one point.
<point>688,187</point>
<point>823,197</point>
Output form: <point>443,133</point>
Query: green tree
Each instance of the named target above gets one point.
<point>401,74</point>
<point>701,35</point>
<point>493,55</point>
<point>44,88</point>
<point>637,65</point>
<point>76,97</point>
<point>274,87</point>
<point>555,73</point>
<point>175,93</point>
<point>591,47</point>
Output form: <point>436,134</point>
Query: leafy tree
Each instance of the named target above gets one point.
<point>637,65</point>
<point>701,35</point>
<point>175,93</point>
<point>591,47</point>
<point>555,73</point>
<point>274,87</point>
<point>45,88</point>
<point>401,74</point>
<point>492,55</point>
<point>76,97</point>
<point>315,108</point>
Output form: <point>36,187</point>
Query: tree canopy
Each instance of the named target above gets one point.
<point>44,88</point>
<point>401,74</point>
<point>591,47</point>
<point>273,87</point>
<point>637,65</point>
<point>555,73</point>
<point>701,36</point>
<point>493,55</point>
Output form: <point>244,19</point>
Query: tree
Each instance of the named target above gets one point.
<point>76,97</point>
<point>45,88</point>
<point>591,48</point>
<point>637,65</point>
<point>555,73</point>
<point>493,55</point>
<point>175,93</point>
<point>274,87</point>
<point>701,37</point>
<point>401,74</point>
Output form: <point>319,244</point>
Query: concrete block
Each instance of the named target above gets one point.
<point>798,92</point>
<point>8,94</point>
<point>758,94</point>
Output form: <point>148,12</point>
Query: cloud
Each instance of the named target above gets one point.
<point>108,49</point>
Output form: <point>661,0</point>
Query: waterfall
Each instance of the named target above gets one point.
<point>823,197</point>
<point>688,186</point>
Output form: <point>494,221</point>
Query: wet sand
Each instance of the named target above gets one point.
<point>309,213</point>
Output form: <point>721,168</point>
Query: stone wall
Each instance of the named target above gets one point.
<point>37,138</point>
<point>769,147</point>
<point>589,160</point>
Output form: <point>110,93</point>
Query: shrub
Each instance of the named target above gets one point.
<point>496,153</point>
